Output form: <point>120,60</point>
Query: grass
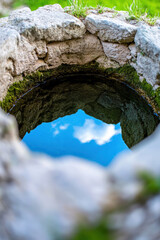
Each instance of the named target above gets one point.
<point>136,11</point>
<point>135,7</point>
<point>140,10</point>
<point>78,8</point>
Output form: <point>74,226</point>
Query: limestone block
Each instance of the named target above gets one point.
<point>79,51</point>
<point>147,39</point>
<point>133,49</point>
<point>39,65</point>
<point>6,80</point>
<point>117,52</point>
<point>41,49</point>
<point>110,29</point>
<point>147,67</point>
<point>105,62</point>
<point>46,23</point>
<point>25,57</point>
<point>9,39</point>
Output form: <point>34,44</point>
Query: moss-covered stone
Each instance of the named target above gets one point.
<point>129,75</point>
<point>17,89</point>
<point>125,74</point>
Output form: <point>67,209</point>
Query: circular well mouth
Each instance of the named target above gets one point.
<point>110,101</point>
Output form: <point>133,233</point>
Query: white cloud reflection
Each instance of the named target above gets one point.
<point>64,127</point>
<point>101,134</point>
<point>57,128</point>
<point>56,132</point>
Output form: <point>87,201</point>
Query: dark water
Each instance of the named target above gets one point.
<point>85,116</point>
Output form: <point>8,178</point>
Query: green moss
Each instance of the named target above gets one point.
<point>154,95</point>
<point>17,89</point>
<point>157,97</point>
<point>125,74</point>
<point>130,76</point>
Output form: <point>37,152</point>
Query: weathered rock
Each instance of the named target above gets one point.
<point>26,36</point>
<point>117,52</point>
<point>79,51</point>
<point>148,68</point>
<point>54,7</point>
<point>47,38</point>
<point>133,49</point>
<point>25,57</point>
<point>46,23</point>
<point>147,40</point>
<point>148,57</point>
<point>9,39</point>
<point>18,55</point>
<point>110,29</point>
<point>41,49</point>
<point>111,13</point>
<point>105,62</point>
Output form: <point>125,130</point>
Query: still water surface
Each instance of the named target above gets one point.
<point>86,116</point>
<point>78,135</point>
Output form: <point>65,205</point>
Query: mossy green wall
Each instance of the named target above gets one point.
<point>125,74</point>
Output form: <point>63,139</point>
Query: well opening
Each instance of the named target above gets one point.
<point>106,99</point>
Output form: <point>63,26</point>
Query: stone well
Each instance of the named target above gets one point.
<point>42,199</point>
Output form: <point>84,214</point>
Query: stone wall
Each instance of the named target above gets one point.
<point>43,199</point>
<point>32,41</point>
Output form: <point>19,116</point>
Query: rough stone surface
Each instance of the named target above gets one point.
<point>117,52</point>
<point>148,68</point>
<point>133,50</point>
<point>46,23</point>
<point>148,57</point>
<point>9,39</point>
<point>106,62</point>
<point>71,52</point>
<point>32,41</point>
<point>41,49</point>
<point>110,29</point>
<point>55,199</point>
<point>148,41</point>
<point>24,58</point>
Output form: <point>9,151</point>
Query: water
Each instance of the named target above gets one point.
<point>85,116</point>
<point>78,135</point>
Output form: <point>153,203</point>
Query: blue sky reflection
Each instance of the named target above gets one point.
<point>78,135</point>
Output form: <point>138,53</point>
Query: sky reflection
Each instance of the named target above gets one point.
<point>78,135</point>
<point>100,133</point>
